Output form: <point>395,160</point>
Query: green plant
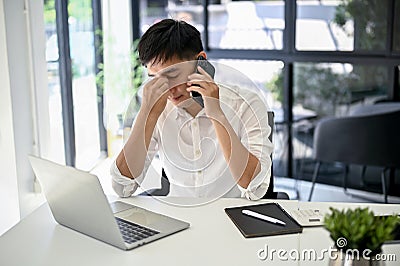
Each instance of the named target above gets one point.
<point>369,19</point>
<point>361,228</point>
<point>316,87</point>
<point>366,21</point>
<point>320,88</point>
<point>79,9</point>
<point>325,88</point>
<point>137,68</point>
<point>275,86</point>
<point>135,75</point>
<point>120,77</point>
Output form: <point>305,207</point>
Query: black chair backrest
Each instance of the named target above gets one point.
<point>270,191</point>
<point>365,140</point>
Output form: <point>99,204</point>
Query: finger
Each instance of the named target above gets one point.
<point>164,88</point>
<point>203,75</point>
<point>203,72</point>
<point>161,78</point>
<point>152,80</point>
<point>196,88</point>
<point>161,83</point>
<point>196,76</point>
<point>199,83</point>
<point>158,74</point>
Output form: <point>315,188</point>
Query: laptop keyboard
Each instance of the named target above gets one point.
<point>132,232</point>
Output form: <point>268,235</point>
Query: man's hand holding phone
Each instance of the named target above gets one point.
<point>202,82</point>
<point>202,63</point>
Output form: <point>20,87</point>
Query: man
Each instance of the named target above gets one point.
<point>215,151</point>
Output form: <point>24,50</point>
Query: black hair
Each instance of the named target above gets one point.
<point>169,38</point>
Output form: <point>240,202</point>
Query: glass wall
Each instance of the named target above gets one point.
<point>332,25</point>
<point>85,112</point>
<point>55,110</point>
<point>337,50</point>
<point>324,90</point>
<point>396,30</point>
<point>247,25</point>
<point>190,11</point>
<point>118,69</point>
<point>84,89</point>
<point>333,89</point>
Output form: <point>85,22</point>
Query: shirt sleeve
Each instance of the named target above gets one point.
<point>125,186</point>
<point>254,136</point>
<point>122,185</point>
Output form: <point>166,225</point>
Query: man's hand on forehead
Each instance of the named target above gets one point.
<point>171,71</point>
<point>168,72</point>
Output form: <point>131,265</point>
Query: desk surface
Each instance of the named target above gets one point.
<point>212,239</point>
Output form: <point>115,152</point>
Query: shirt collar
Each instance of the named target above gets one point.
<point>181,113</point>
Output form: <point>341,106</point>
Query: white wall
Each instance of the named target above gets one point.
<point>39,86</point>
<point>24,129</point>
<point>9,206</point>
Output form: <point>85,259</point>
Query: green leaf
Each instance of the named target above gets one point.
<point>360,227</point>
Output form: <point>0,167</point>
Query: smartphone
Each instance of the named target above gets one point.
<point>209,68</point>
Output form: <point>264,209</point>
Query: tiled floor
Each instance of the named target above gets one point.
<point>321,192</point>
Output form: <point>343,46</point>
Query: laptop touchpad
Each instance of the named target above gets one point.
<point>119,206</point>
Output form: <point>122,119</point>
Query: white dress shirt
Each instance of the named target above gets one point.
<point>191,155</point>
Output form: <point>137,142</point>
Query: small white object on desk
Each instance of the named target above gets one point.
<point>308,217</point>
<point>262,217</point>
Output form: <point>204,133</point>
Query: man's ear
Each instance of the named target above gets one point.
<point>203,54</point>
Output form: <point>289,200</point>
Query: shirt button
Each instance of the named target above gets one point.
<point>199,172</point>
<point>198,152</point>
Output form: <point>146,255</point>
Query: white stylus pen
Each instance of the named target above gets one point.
<point>262,217</point>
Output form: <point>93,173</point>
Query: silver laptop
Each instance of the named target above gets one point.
<point>77,201</point>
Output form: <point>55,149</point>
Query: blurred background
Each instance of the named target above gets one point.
<point>313,59</point>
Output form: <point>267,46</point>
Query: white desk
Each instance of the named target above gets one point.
<point>212,239</point>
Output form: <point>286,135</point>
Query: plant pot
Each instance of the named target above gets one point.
<point>340,258</point>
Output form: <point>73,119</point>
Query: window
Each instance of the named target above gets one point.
<point>189,11</point>
<point>247,25</point>
<point>333,89</point>
<point>331,25</point>
<point>396,28</point>
<point>55,110</point>
<point>84,89</point>
<point>326,90</point>
<point>351,37</point>
<point>83,149</point>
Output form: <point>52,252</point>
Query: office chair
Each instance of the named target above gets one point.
<point>370,137</point>
<point>270,194</point>
<point>380,106</point>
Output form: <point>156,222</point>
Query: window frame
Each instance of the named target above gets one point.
<point>290,55</point>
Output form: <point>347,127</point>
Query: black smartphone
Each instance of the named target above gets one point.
<point>209,68</point>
